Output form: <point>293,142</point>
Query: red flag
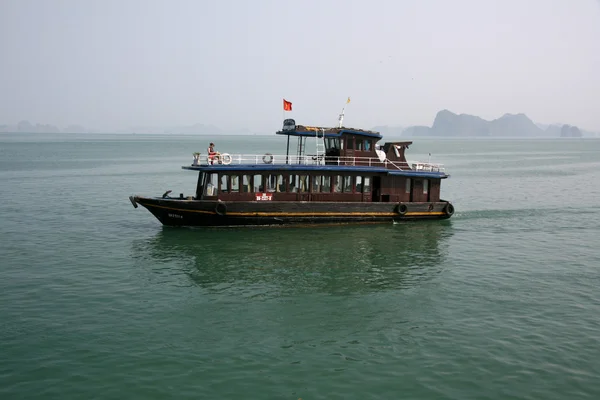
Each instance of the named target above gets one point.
<point>287,106</point>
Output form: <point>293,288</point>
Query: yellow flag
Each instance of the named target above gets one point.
<point>348,101</point>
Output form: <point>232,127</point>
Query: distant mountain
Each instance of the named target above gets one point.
<point>28,127</point>
<point>417,130</point>
<point>195,129</point>
<point>449,124</point>
<point>389,130</point>
<point>570,131</point>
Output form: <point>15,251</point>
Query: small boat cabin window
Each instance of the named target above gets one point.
<point>425,186</point>
<point>347,184</point>
<point>246,183</point>
<point>212,183</point>
<point>316,183</point>
<point>359,184</point>
<point>350,143</point>
<point>299,183</point>
<point>332,143</point>
<point>326,184</point>
<point>275,183</point>
<point>367,184</point>
<point>235,183</point>
<point>224,188</point>
<point>337,184</point>
<point>407,185</point>
<point>257,184</point>
<point>303,183</point>
<point>359,144</point>
<point>367,145</point>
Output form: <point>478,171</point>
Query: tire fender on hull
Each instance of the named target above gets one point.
<point>401,209</point>
<point>221,209</point>
<point>449,209</point>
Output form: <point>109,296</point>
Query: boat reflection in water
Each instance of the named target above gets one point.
<point>274,262</point>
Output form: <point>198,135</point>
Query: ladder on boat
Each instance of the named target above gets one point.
<point>320,150</point>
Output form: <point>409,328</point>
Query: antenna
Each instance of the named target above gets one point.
<point>341,116</point>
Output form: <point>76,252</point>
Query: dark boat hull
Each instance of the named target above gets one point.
<point>181,212</point>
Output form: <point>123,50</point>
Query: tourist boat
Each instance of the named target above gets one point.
<point>345,176</point>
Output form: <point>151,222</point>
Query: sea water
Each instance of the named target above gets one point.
<point>98,300</point>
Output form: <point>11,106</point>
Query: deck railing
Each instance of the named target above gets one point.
<point>312,159</point>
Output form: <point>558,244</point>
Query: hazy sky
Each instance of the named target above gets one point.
<point>118,63</point>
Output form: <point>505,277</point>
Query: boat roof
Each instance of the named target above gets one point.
<point>256,168</point>
<point>312,131</point>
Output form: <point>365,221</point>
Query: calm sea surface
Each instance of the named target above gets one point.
<point>98,300</point>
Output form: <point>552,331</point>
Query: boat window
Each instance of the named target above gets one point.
<point>367,145</point>
<point>258,185</point>
<point>347,184</point>
<point>275,183</point>
<point>332,143</point>
<point>407,185</point>
<point>246,183</point>
<point>337,184</point>
<point>359,184</point>
<point>235,183</point>
<point>271,183</point>
<point>367,184</point>
<point>359,144</point>
<point>212,182</point>
<point>316,183</point>
<point>326,186</point>
<point>303,183</point>
<point>224,184</point>
<point>299,183</point>
<point>425,186</point>
<point>350,143</point>
<point>293,180</point>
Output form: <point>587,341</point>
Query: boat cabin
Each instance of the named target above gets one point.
<point>329,165</point>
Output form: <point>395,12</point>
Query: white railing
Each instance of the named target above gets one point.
<point>428,167</point>
<point>312,159</point>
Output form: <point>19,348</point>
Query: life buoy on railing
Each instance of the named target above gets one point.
<point>449,209</point>
<point>268,158</point>
<point>221,209</point>
<point>401,209</point>
<point>226,158</point>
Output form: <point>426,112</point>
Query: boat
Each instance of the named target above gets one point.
<point>344,176</point>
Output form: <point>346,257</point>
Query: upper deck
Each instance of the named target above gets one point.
<point>282,162</point>
<point>332,149</point>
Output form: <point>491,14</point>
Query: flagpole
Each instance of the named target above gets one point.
<point>341,117</point>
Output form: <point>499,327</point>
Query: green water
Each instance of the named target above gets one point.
<point>98,300</point>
